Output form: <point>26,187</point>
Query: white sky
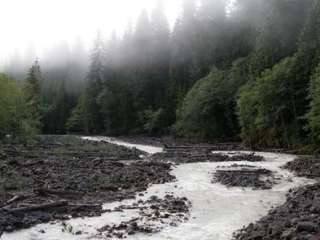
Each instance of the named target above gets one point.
<point>44,23</point>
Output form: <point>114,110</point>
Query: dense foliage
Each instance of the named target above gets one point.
<point>208,110</point>
<point>314,113</point>
<point>16,110</point>
<point>267,107</point>
<point>224,71</point>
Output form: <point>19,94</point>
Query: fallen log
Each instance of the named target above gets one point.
<point>12,200</point>
<point>188,147</point>
<point>16,198</point>
<point>44,192</point>
<point>38,207</point>
<point>244,172</point>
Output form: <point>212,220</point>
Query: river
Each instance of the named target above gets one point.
<point>216,212</point>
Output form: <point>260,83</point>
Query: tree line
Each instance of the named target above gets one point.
<point>249,70</point>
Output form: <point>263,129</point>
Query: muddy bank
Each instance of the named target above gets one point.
<point>299,217</point>
<point>61,177</point>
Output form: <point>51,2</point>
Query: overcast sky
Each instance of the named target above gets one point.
<point>40,24</point>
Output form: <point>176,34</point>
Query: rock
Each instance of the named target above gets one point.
<point>245,177</point>
<point>288,234</point>
<point>294,220</point>
<point>307,227</point>
<point>82,172</point>
<point>150,220</point>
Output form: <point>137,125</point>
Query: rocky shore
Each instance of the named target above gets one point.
<point>299,217</point>
<point>61,177</point>
<point>246,177</point>
<point>154,214</point>
<point>179,155</point>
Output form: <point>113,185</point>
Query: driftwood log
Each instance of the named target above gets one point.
<point>45,206</point>
<point>45,192</point>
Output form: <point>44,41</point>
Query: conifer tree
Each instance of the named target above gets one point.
<point>32,90</point>
<point>314,113</point>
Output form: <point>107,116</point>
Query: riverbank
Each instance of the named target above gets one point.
<point>59,177</point>
<point>187,186</point>
<point>299,217</point>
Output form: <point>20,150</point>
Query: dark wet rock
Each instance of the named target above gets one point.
<point>245,177</point>
<point>154,214</point>
<point>170,142</point>
<point>292,220</point>
<point>305,166</point>
<point>84,174</point>
<point>192,155</point>
<point>299,217</point>
<point>307,227</point>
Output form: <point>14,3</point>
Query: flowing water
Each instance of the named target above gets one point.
<point>216,212</point>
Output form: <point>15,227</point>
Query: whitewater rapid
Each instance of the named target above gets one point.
<point>216,212</point>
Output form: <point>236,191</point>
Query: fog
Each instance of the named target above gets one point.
<point>64,35</point>
<point>35,27</point>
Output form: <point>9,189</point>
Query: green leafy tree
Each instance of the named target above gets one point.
<point>16,116</point>
<point>208,109</point>
<point>266,108</point>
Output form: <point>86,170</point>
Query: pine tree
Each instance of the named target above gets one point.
<point>87,113</point>
<point>142,42</point>
<point>32,90</point>
<point>160,58</point>
<point>183,48</point>
<point>314,113</point>
<point>278,32</point>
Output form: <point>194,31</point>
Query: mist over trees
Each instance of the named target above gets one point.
<point>249,70</point>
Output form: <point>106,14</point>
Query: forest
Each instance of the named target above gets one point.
<point>246,70</point>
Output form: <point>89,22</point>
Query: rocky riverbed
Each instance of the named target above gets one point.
<point>154,214</point>
<point>256,178</point>
<point>140,194</point>
<point>299,217</point>
<point>61,177</point>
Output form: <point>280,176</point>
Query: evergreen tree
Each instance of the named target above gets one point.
<point>183,49</point>
<point>32,90</point>
<point>278,32</point>
<point>210,38</point>
<point>314,113</point>
<point>160,57</point>
<point>79,119</point>
<point>57,109</point>
<point>94,85</point>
